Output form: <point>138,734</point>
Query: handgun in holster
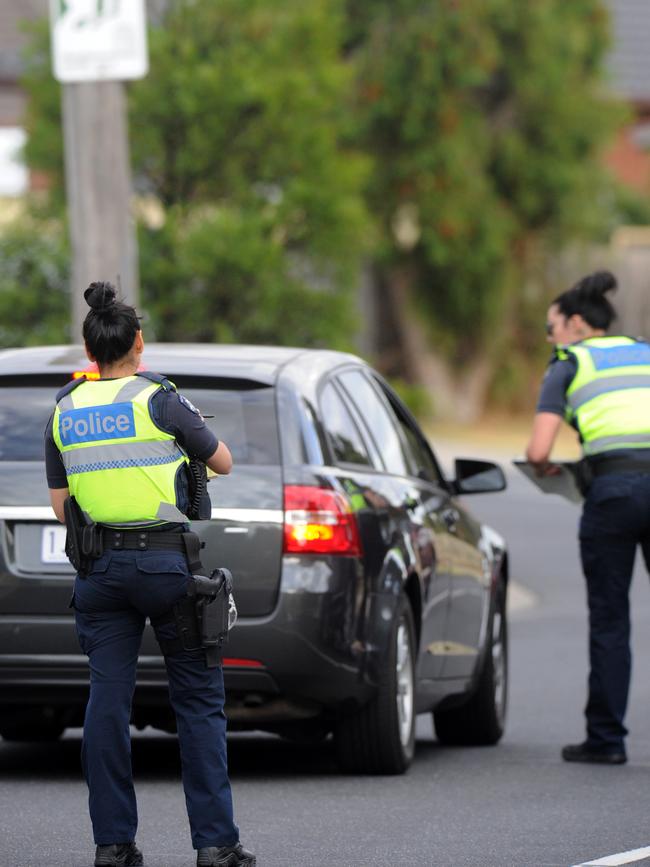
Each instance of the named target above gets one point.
<point>203,617</point>
<point>583,474</point>
<point>83,540</point>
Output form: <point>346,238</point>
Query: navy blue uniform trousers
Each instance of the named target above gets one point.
<point>111,607</point>
<point>615,521</point>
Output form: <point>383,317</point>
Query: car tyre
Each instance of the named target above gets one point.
<point>481,720</point>
<point>380,738</point>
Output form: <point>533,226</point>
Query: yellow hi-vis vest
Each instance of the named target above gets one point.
<point>609,397</point>
<point>121,467</point>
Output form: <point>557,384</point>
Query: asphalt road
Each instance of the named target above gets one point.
<point>514,805</point>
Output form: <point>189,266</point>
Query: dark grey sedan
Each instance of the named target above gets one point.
<point>366,592</point>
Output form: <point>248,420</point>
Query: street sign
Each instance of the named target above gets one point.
<point>98,40</point>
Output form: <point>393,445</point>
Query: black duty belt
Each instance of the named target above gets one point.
<point>609,466</point>
<point>141,540</point>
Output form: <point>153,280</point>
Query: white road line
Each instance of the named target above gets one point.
<point>620,858</point>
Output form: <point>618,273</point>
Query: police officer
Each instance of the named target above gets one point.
<point>601,386</point>
<point>119,445</point>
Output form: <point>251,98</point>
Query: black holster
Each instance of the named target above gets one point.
<point>83,541</point>
<point>202,616</point>
<point>583,473</point>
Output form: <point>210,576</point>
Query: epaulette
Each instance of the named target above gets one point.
<point>560,353</point>
<point>69,387</point>
<point>157,377</point>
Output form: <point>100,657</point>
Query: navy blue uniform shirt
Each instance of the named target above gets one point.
<point>558,377</point>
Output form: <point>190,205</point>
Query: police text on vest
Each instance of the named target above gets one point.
<point>114,421</point>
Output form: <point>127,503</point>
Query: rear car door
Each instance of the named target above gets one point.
<point>457,536</point>
<point>423,498</point>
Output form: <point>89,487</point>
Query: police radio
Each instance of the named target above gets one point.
<point>200,506</point>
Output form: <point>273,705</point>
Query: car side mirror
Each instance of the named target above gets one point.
<point>477,477</point>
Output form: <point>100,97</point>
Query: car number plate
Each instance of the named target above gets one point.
<point>53,544</point>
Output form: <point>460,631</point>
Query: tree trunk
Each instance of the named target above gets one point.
<point>457,395</point>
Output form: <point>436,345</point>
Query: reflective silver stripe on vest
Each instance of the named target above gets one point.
<point>114,457</point>
<point>169,512</point>
<point>603,444</point>
<point>130,390</point>
<point>606,385</point>
<point>66,404</point>
<point>166,513</point>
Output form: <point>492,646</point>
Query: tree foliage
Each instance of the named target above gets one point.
<point>486,118</point>
<point>444,141</point>
<point>237,134</point>
<point>34,298</point>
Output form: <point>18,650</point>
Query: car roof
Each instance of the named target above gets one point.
<point>255,363</point>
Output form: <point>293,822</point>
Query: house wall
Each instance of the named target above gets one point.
<point>629,158</point>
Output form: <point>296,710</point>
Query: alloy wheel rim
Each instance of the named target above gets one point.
<point>499,665</point>
<point>405,691</point>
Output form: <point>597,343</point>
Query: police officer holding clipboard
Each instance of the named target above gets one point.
<point>600,384</point>
<point>119,445</point>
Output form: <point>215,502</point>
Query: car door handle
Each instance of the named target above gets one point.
<point>450,517</point>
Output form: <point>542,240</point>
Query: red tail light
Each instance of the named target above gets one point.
<point>236,662</point>
<point>319,521</point>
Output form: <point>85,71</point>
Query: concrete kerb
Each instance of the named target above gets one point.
<point>499,440</point>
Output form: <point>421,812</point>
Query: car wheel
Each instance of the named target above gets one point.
<point>36,731</point>
<point>481,720</point>
<point>380,738</point>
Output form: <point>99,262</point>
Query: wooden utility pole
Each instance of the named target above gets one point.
<point>98,184</point>
<point>95,48</point>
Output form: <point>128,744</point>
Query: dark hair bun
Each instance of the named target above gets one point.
<point>100,296</point>
<point>598,284</point>
<point>587,299</point>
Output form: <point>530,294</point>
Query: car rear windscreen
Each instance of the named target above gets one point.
<point>243,419</point>
<point>24,413</point>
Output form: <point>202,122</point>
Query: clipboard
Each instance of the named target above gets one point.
<point>564,484</point>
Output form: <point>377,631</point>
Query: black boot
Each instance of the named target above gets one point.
<point>586,753</point>
<point>225,856</point>
<point>118,855</point>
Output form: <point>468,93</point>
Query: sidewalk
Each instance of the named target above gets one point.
<point>501,439</point>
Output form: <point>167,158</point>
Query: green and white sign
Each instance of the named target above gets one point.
<point>98,40</point>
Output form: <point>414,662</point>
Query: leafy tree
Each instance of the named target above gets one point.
<point>480,123</point>
<point>486,118</point>
<point>34,299</point>
<point>236,133</point>
<point>219,278</point>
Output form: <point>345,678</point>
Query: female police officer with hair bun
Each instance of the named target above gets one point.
<point>601,385</point>
<point>119,445</point>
